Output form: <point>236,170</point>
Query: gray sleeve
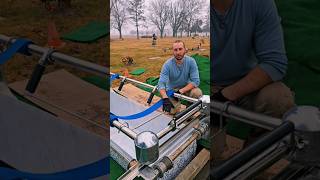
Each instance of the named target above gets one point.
<point>164,76</point>
<point>268,40</point>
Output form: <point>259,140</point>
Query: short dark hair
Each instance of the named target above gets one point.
<point>180,41</point>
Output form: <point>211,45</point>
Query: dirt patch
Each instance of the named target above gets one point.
<point>32,22</point>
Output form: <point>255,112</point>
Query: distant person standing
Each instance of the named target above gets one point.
<point>154,40</point>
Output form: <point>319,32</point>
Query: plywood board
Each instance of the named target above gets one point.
<point>71,99</point>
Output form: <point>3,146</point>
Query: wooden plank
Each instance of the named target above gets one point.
<point>204,173</point>
<point>195,166</point>
<point>136,94</point>
<point>70,99</point>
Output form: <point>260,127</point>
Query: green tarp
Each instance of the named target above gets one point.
<point>90,32</point>
<point>116,170</point>
<point>138,72</point>
<point>301,24</point>
<point>152,81</point>
<point>204,72</point>
<point>97,81</point>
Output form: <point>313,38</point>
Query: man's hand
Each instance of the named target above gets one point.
<point>178,92</point>
<point>167,105</point>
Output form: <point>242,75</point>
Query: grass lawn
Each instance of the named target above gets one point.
<point>141,50</point>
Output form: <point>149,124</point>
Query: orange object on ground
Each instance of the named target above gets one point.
<point>126,73</point>
<point>53,36</point>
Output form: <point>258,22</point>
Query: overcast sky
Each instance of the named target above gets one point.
<point>129,26</point>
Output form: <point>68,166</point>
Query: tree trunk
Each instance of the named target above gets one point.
<point>137,31</point>
<point>120,33</point>
<point>161,33</point>
<point>175,32</point>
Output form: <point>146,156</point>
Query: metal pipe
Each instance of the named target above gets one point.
<point>258,162</point>
<point>251,122</point>
<point>251,117</point>
<point>64,59</point>
<point>187,115</point>
<point>197,133</point>
<point>182,119</point>
<point>187,98</point>
<point>253,150</point>
<point>125,129</point>
<point>164,131</point>
<point>193,106</point>
<point>180,96</point>
<point>264,163</point>
<point>135,81</point>
<point>183,129</point>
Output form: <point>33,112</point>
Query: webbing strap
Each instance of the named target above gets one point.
<point>20,45</point>
<point>138,115</point>
<point>94,170</point>
<point>114,76</point>
<point>151,109</point>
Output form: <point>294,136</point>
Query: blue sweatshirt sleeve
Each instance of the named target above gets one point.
<point>268,40</point>
<point>194,73</point>
<point>164,77</point>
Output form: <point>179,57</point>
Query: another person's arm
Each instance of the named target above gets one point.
<point>269,50</point>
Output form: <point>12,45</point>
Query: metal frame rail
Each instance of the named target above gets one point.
<point>62,58</point>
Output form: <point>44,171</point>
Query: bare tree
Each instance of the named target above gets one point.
<point>196,27</point>
<point>206,27</point>
<point>159,14</point>
<point>111,5</point>
<point>118,15</point>
<point>192,10</point>
<point>183,27</point>
<point>177,15</point>
<point>136,12</point>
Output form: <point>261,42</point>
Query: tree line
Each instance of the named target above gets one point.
<point>181,16</point>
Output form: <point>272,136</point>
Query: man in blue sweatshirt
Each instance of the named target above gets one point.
<point>181,74</point>
<point>249,58</point>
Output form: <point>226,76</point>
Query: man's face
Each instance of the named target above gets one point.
<point>178,51</point>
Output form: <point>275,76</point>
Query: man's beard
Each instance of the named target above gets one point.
<point>179,58</point>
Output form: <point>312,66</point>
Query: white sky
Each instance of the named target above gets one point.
<point>151,28</point>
